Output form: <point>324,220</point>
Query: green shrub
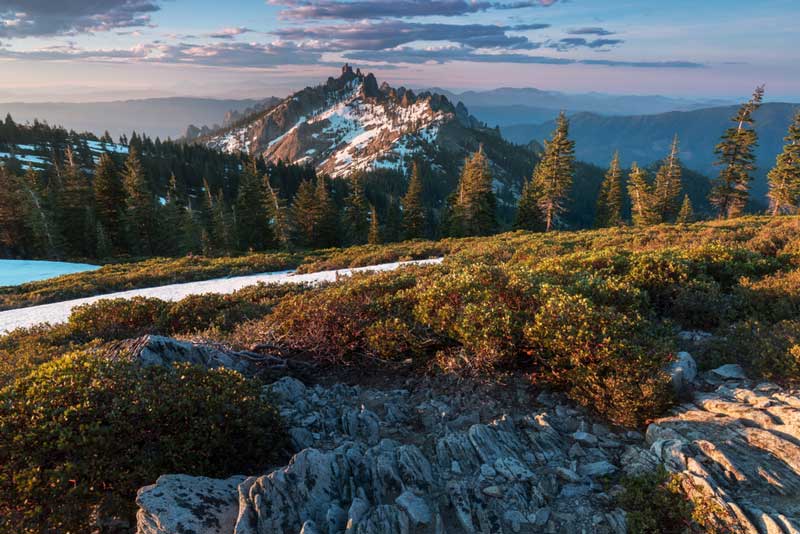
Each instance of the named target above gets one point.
<point>343,322</point>
<point>480,307</point>
<point>88,432</point>
<point>604,359</point>
<point>654,505</point>
<point>118,318</point>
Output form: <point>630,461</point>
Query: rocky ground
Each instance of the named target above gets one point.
<point>437,456</point>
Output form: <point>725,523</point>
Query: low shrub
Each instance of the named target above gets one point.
<point>88,432</point>
<point>654,504</point>
<point>118,318</point>
<point>605,360</point>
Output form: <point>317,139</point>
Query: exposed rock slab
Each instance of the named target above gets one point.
<point>738,448</point>
<point>181,504</point>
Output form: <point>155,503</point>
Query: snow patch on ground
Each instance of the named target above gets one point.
<point>16,272</point>
<point>58,312</point>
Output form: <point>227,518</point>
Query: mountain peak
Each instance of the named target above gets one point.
<point>353,123</point>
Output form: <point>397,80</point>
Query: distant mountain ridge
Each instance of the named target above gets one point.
<point>646,138</point>
<point>157,117</point>
<point>508,105</point>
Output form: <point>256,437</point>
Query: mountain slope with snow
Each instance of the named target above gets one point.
<point>351,124</point>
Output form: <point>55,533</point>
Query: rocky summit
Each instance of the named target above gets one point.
<point>351,123</point>
<point>433,456</point>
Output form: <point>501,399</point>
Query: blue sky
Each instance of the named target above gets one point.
<point>88,50</point>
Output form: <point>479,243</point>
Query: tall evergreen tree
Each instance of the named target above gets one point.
<point>474,206</point>
<point>667,186</point>
<point>252,222</point>
<point>140,206</point>
<point>554,174</point>
<point>75,213</point>
<point>609,201</point>
<point>356,212</point>
<point>414,220</point>
<point>374,236</point>
<point>640,192</point>
<point>393,227</point>
<point>13,232</point>
<point>686,214</point>
<point>191,232</point>
<point>735,157</point>
<point>326,216</point>
<point>171,220</point>
<point>303,215</point>
<point>44,240</point>
<point>278,214</point>
<point>223,230</point>
<point>529,216</point>
<point>109,198</point>
<point>784,178</point>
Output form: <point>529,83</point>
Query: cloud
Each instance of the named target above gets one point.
<point>570,43</point>
<point>379,9</point>
<point>366,35</point>
<point>590,30</point>
<point>230,33</point>
<point>37,18</point>
<point>227,54</point>
<point>450,54</point>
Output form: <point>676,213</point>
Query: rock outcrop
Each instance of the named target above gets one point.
<point>436,461</point>
<point>737,450</point>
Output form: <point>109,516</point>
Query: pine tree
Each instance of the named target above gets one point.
<point>374,237</point>
<point>75,213</point>
<point>109,198</point>
<point>223,231</point>
<point>356,213</point>
<point>171,221</point>
<point>667,186</point>
<point>474,206</point>
<point>140,206</point>
<point>303,215</point>
<point>278,214</point>
<point>529,216</point>
<point>43,238</point>
<point>393,227</point>
<point>326,217</point>
<point>784,178</point>
<point>414,220</point>
<point>640,192</point>
<point>730,191</point>
<point>252,221</point>
<point>191,232</point>
<point>13,232</point>
<point>554,174</point>
<point>609,201</point>
<point>104,248</point>
<point>686,214</point>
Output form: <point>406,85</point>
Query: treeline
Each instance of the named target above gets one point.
<point>124,207</point>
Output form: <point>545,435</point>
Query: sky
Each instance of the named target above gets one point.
<point>88,50</point>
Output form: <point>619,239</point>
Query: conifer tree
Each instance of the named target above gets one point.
<point>278,214</point>
<point>12,217</point>
<point>414,220</point>
<point>303,215</point>
<point>529,216</point>
<point>103,248</point>
<point>223,231</point>
<point>667,186</point>
<point>784,178</point>
<point>140,207</point>
<point>640,192</point>
<point>735,157</point>
<point>554,173</point>
<point>171,220</point>
<point>686,214</point>
<point>109,198</point>
<point>356,212</point>
<point>609,201</point>
<point>393,227</point>
<point>326,216</point>
<point>43,238</point>
<point>374,237</point>
<point>252,222</point>
<point>191,232</point>
<point>473,210</point>
<point>75,214</point>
